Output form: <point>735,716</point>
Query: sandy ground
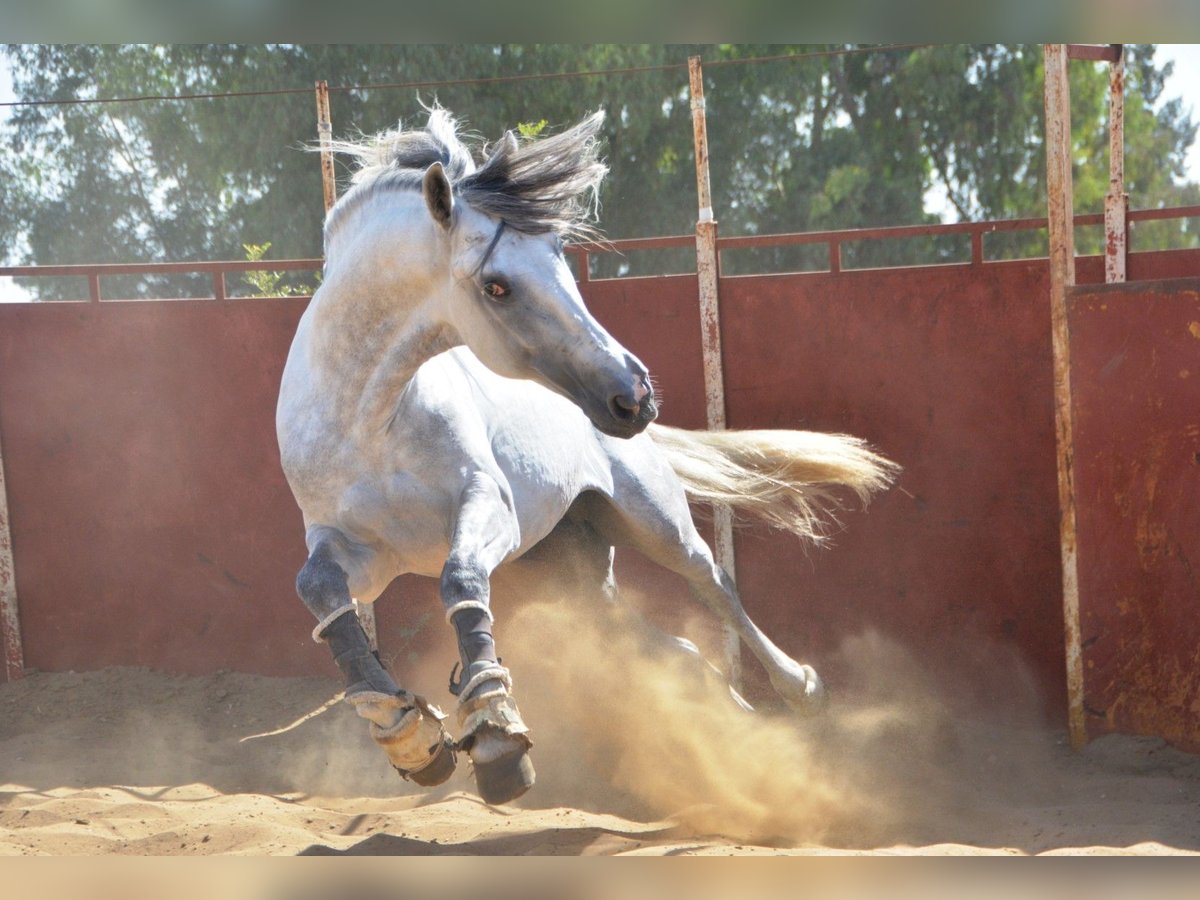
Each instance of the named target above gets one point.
<point>643,758</point>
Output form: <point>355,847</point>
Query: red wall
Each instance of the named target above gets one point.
<point>151,523</point>
<point>152,526</point>
<point>946,370</point>
<point>1136,388</point>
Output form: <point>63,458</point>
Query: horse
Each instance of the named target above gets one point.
<point>448,403</point>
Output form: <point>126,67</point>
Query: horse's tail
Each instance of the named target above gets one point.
<point>786,478</point>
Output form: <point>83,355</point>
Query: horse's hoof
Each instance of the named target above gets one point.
<point>411,735</point>
<point>498,741</point>
<point>439,768</point>
<point>506,777</point>
<point>817,696</point>
<point>805,693</point>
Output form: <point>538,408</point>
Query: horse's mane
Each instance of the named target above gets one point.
<point>535,185</point>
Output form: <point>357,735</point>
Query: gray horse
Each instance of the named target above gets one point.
<point>448,402</point>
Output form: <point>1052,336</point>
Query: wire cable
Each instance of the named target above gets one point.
<point>453,82</point>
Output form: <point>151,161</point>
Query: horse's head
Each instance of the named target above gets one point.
<point>514,303</point>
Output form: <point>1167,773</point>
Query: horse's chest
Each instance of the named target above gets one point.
<point>411,518</point>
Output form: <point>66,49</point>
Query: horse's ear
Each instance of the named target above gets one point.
<point>510,142</point>
<point>438,195</point>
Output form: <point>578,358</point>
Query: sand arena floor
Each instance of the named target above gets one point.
<point>130,761</point>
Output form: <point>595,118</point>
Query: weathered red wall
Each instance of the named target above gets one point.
<point>151,521</point>
<point>947,370</point>
<point>948,373</point>
<point>1136,387</point>
<point>152,526</point>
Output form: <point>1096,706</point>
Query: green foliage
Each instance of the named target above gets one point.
<point>798,144</point>
<point>271,284</point>
<point>529,130</point>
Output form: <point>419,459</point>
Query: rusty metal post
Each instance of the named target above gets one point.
<point>1062,279</point>
<point>1116,201</point>
<point>10,622</point>
<point>325,137</point>
<point>707,273</point>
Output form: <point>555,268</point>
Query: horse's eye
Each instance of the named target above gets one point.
<point>496,289</point>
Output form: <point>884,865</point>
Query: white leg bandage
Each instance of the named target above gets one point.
<point>468,604</point>
<point>329,619</point>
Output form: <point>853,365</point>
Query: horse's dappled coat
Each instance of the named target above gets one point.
<point>449,402</point>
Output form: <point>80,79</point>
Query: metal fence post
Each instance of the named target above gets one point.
<point>1062,278</point>
<point>325,137</point>
<point>707,273</point>
<point>10,622</point>
<point>1116,201</point>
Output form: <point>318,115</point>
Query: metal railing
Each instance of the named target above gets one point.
<point>834,240</point>
<point>583,251</point>
<point>216,270</point>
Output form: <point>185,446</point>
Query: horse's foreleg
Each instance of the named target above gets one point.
<point>493,732</point>
<point>407,727</point>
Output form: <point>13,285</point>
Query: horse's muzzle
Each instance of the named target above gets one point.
<point>631,411</point>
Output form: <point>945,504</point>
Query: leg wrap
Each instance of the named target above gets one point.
<point>498,741</point>
<point>407,727</point>
<point>492,707</point>
<point>353,655</point>
<point>493,732</point>
<point>473,626</point>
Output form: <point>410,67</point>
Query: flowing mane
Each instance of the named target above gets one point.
<point>536,185</point>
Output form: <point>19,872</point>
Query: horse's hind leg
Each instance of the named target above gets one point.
<point>584,559</point>
<point>407,728</point>
<point>651,513</point>
<point>493,732</point>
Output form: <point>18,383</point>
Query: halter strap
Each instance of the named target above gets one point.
<point>491,247</point>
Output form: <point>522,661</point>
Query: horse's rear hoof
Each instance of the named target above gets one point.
<point>440,767</point>
<point>803,690</point>
<point>816,695</point>
<point>506,777</point>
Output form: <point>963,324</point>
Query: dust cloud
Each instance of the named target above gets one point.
<point>623,722</point>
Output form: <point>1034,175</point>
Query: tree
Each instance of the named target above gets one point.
<point>849,140</point>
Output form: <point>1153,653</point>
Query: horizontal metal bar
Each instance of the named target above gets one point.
<point>1175,212</point>
<point>894,232</point>
<point>1095,52</point>
<point>104,270</point>
<point>583,248</point>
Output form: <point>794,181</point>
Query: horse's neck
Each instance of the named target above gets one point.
<point>376,317</point>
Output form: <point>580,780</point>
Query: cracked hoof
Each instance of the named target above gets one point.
<point>503,769</point>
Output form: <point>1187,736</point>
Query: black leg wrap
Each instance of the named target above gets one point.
<point>475,643</point>
<point>352,653</point>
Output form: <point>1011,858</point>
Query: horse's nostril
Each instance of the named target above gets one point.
<point>626,407</point>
